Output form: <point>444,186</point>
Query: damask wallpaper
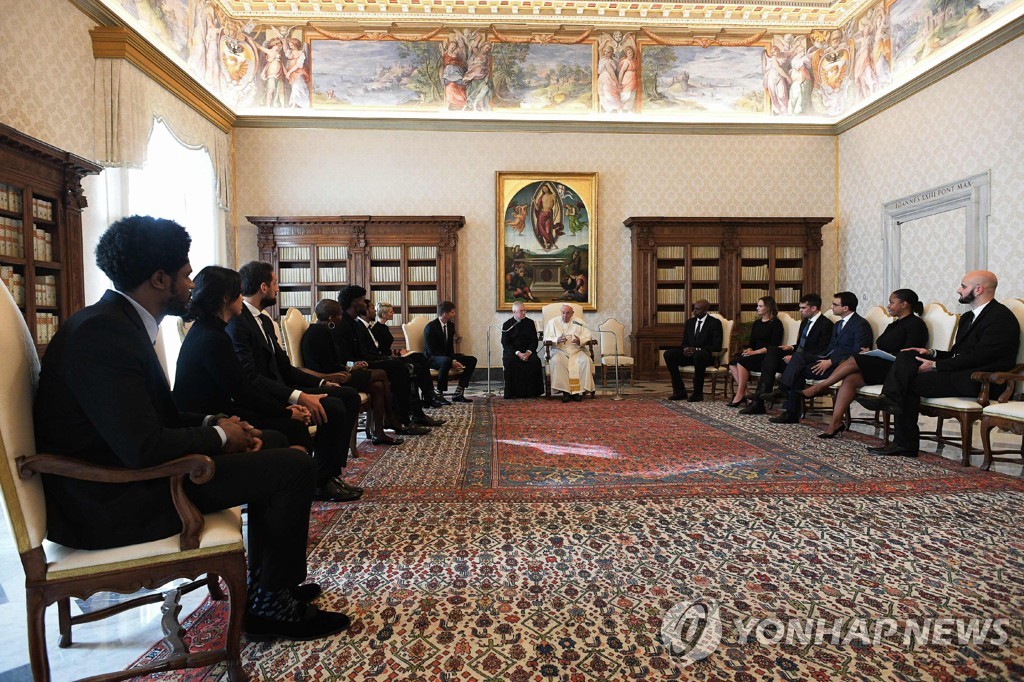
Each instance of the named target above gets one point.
<point>317,172</point>
<point>965,124</point>
<point>47,73</point>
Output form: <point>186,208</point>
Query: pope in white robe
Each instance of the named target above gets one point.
<point>572,369</point>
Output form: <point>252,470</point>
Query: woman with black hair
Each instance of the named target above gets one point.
<point>907,330</point>
<point>210,378</point>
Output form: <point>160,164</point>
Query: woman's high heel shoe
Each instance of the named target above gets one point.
<point>837,432</point>
<point>741,403</point>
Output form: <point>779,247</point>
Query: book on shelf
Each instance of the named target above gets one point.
<point>676,274</point>
<point>423,299</point>
<point>294,275</point>
<point>789,252</point>
<point>705,252</point>
<point>332,253</point>
<point>673,252</point>
<point>422,273</point>
<point>392,296</point>
<point>46,327</point>
<point>710,295</point>
<point>15,283</point>
<point>386,252</point>
<point>10,238</point>
<point>386,274</point>
<point>42,209</point>
<point>295,299</point>
<point>46,291</point>
<point>332,274</point>
<point>10,198</point>
<point>754,252</point>
<point>422,253</point>
<point>293,253</point>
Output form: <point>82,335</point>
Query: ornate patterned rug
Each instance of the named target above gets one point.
<point>535,540</point>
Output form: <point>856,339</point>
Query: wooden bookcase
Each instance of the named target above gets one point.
<point>408,261</point>
<point>731,262</point>
<point>41,202</point>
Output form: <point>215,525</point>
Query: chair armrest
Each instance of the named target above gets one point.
<point>987,378</point>
<point>199,469</point>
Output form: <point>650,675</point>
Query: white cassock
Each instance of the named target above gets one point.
<point>572,370</point>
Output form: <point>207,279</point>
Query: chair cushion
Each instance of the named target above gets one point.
<point>222,532</point>
<point>964,404</point>
<point>609,360</point>
<point>710,370</point>
<point>874,390</point>
<point>1011,410</point>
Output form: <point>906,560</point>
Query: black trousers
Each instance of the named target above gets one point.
<point>443,365</point>
<point>421,374</point>
<point>906,386</point>
<point>774,362</point>
<point>331,443</point>
<point>401,386</point>
<point>278,486</point>
<point>675,358</point>
<point>795,377</point>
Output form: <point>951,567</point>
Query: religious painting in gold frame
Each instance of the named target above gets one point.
<point>546,225</point>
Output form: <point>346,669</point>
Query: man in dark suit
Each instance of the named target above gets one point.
<point>987,340</point>
<point>702,338</point>
<point>849,335</point>
<point>334,408</point>
<point>349,336</point>
<point>103,399</point>
<point>439,343</point>
<point>813,338</point>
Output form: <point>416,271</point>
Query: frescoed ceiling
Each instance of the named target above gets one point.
<point>469,62</point>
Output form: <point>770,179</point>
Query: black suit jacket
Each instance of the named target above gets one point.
<point>319,351</point>
<point>368,350</point>
<point>103,398</point>
<point>435,342</point>
<point>988,344</point>
<point>855,334</point>
<point>266,367</point>
<point>710,337</point>
<point>385,339</point>
<point>210,378</point>
<point>819,336</point>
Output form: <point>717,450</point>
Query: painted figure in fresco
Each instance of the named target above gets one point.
<point>518,220</point>
<point>628,80</point>
<point>516,284</point>
<point>800,78</point>
<point>203,42</point>
<point>547,216</point>
<point>453,75</point>
<point>863,65</point>
<point>298,76</point>
<point>273,71</point>
<point>776,76</point>
<point>478,78</point>
<point>832,74</point>
<point>608,91</point>
<point>577,220</point>
<point>881,50</point>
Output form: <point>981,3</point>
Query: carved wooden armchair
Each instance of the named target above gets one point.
<point>209,545</point>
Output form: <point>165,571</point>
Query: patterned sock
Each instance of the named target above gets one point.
<point>459,390</point>
<point>279,605</point>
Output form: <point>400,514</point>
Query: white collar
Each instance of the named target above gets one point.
<point>977,311</point>
<point>148,321</point>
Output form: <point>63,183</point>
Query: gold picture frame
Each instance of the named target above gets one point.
<point>546,227</point>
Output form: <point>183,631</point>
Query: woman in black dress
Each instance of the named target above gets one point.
<point>765,333</point>
<point>210,378</point>
<point>524,377</point>
<point>907,330</point>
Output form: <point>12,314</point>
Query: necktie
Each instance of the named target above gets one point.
<point>696,332</point>
<point>444,327</point>
<point>835,341</point>
<point>803,336</point>
<point>268,330</point>
<point>839,328</point>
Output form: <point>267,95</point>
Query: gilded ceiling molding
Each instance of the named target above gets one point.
<point>702,41</point>
<point>112,42</point>
<point>368,34</point>
<point>541,38</point>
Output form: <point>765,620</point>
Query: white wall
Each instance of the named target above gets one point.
<point>967,123</point>
<point>333,172</point>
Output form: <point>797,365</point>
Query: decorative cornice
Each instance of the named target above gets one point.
<point>115,42</point>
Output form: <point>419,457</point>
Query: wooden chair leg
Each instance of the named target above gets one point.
<point>966,433</point>
<point>604,376</point>
<point>64,622</point>
<point>986,444</point>
<point>235,578</point>
<point>35,611</point>
<point>213,585</point>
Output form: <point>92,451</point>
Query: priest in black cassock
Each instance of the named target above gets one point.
<point>524,377</point>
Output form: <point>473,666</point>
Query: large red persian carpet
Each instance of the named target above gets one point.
<point>535,540</point>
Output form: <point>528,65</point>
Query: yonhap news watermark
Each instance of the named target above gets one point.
<point>693,629</point>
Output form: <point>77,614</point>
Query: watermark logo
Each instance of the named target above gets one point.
<point>692,630</point>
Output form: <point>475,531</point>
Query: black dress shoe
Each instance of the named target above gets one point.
<point>678,396</point>
<point>332,492</point>
<point>425,420</point>
<point>412,430</point>
<point>314,624</point>
<point>386,440</point>
<point>785,418</point>
<point>882,403</point>
<point>340,482</point>
<point>894,450</point>
<point>772,396</point>
<point>566,397</point>
<point>439,398</point>
<point>459,398</point>
<point>695,398</point>
<point>306,592</point>
<point>754,407</point>
<point>439,402</point>
<point>578,397</point>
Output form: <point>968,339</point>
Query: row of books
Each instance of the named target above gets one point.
<point>670,296</point>
<point>423,273</point>
<point>46,291</point>
<point>385,273</point>
<point>295,299</point>
<point>293,253</point>
<point>753,252</point>
<point>709,295</point>
<point>789,274</point>
<point>422,253</point>
<point>751,295</point>
<point>42,245</point>
<point>386,252</point>
<point>787,295</point>
<point>789,252</point>
<point>46,327</point>
<point>10,198</point>
<point>704,272</point>
<point>422,298</point>
<point>332,252</point>
<point>294,275</point>
<point>391,296</point>
<point>10,238</point>
<point>42,209</point>
<point>754,273</point>
<point>14,282</point>
<point>748,315</point>
<point>332,274</point>
<point>677,273</point>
